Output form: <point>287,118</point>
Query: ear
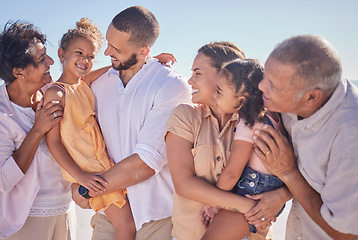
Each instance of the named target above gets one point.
<point>61,54</point>
<point>240,102</point>
<point>314,96</point>
<point>18,73</point>
<point>144,51</point>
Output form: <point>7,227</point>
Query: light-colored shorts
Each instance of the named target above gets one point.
<point>153,230</point>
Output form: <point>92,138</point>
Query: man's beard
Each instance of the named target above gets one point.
<point>127,64</point>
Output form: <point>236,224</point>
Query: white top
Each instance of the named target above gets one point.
<point>132,120</point>
<point>42,191</point>
<point>325,145</point>
<point>54,195</point>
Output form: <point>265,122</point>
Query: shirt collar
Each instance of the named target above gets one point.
<point>207,113</point>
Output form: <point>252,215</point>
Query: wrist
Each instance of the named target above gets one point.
<point>84,192</point>
<point>290,176</point>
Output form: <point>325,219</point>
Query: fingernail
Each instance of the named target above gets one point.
<point>254,137</point>
<point>265,126</point>
<point>257,131</point>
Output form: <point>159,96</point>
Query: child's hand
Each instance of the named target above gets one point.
<point>207,215</point>
<point>92,182</point>
<point>166,58</point>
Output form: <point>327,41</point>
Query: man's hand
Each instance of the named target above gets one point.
<point>79,200</point>
<point>275,152</point>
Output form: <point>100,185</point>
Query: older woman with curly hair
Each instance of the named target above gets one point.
<point>34,198</point>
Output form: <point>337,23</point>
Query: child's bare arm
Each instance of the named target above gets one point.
<point>94,74</point>
<point>240,155</point>
<point>60,153</point>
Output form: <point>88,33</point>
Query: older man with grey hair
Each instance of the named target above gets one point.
<point>319,162</point>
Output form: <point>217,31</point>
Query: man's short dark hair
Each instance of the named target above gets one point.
<point>140,23</point>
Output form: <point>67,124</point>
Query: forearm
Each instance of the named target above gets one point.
<point>199,190</point>
<point>61,155</point>
<point>227,180</point>
<point>311,201</point>
<point>128,172</point>
<point>24,155</point>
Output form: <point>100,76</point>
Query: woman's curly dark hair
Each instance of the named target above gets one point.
<point>245,75</point>
<point>17,48</point>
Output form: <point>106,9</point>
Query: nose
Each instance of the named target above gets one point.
<point>49,60</point>
<point>107,51</point>
<point>191,81</point>
<point>262,85</point>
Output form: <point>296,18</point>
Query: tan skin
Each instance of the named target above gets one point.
<point>121,175</point>
<point>25,91</point>
<point>274,149</point>
<point>229,101</point>
<point>180,157</point>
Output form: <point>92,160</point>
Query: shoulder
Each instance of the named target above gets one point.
<point>185,113</point>
<point>55,92</point>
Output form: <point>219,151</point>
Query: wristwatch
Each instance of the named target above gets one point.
<point>83,192</point>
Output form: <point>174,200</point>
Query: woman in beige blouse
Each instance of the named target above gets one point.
<point>198,141</point>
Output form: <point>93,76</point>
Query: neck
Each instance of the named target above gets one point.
<point>23,95</point>
<point>66,78</point>
<point>127,75</point>
<point>222,118</point>
<point>312,110</point>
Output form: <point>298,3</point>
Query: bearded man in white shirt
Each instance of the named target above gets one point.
<point>303,81</point>
<point>133,102</point>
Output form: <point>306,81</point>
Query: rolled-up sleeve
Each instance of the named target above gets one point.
<point>151,145</point>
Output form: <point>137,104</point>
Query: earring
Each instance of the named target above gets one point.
<point>22,76</point>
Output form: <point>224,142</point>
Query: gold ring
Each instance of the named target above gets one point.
<point>267,152</point>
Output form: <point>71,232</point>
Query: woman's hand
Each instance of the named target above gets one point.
<point>207,215</point>
<point>91,181</point>
<point>47,116</point>
<point>270,203</point>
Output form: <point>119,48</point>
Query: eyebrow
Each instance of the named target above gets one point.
<point>113,47</point>
<point>196,69</point>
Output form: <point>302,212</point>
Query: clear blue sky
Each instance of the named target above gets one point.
<point>255,26</point>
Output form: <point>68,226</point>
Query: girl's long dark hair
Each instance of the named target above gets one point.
<point>245,76</point>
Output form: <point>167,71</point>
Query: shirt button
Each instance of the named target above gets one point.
<point>218,158</point>
<point>251,184</point>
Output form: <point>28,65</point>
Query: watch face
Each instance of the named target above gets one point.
<point>82,190</point>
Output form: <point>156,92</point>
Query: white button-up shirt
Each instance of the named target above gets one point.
<point>132,120</point>
<point>326,148</point>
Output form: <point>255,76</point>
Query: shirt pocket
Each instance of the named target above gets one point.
<point>204,157</point>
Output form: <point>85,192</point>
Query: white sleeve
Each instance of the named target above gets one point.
<point>151,145</point>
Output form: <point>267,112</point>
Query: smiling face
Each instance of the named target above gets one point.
<point>122,52</point>
<point>39,75</point>
<point>203,80</point>
<point>227,99</point>
<point>78,59</point>
<point>278,94</point>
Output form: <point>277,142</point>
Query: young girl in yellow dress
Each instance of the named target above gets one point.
<point>77,143</point>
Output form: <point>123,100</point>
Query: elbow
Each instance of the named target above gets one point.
<point>181,188</point>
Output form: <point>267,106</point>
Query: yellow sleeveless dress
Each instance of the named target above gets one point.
<point>83,140</point>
